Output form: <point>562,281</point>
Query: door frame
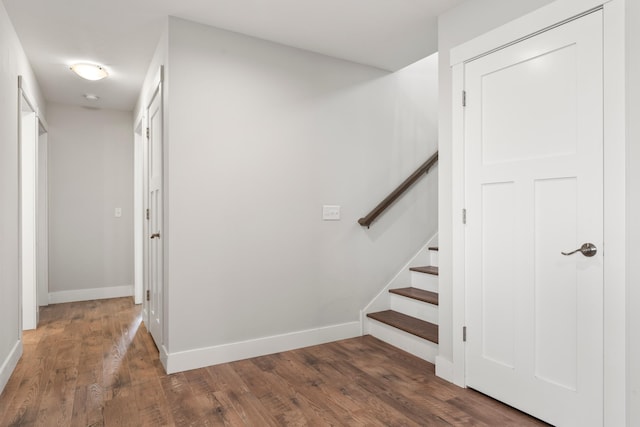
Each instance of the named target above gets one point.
<point>40,127</point>
<point>156,88</point>
<point>554,14</point>
<point>42,213</point>
<point>141,197</point>
<point>139,188</point>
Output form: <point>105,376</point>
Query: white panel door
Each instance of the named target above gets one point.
<point>155,257</point>
<point>534,189</point>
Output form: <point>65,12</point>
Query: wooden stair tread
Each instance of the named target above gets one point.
<point>417,294</point>
<point>429,269</point>
<point>417,327</point>
<point>433,248</point>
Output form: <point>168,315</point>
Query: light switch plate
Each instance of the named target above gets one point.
<point>118,212</point>
<point>331,213</point>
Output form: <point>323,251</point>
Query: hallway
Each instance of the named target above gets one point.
<point>93,363</point>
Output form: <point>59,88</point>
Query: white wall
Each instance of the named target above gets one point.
<point>455,27</point>
<point>260,137</point>
<point>633,213</point>
<point>13,62</point>
<point>90,174</point>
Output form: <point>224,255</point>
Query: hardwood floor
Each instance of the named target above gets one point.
<point>94,364</point>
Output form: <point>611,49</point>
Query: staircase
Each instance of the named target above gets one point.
<point>411,323</point>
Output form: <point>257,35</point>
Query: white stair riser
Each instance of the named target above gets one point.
<point>410,343</point>
<point>433,257</point>
<point>427,282</point>
<point>414,308</point>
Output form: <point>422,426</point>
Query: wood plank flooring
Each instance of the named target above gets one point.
<point>94,364</point>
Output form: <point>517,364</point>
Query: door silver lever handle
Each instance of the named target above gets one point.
<point>587,249</point>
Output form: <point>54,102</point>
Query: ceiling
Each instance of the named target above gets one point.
<point>123,34</point>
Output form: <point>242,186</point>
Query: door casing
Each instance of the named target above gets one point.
<point>614,185</point>
<point>156,94</point>
<point>32,225</point>
<point>138,214</point>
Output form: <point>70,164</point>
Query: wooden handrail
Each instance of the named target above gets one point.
<point>388,201</point>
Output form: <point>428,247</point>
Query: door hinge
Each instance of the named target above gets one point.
<point>464,100</point>
<point>464,334</point>
<point>147,133</point>
<point>148,295</point>
<point>147,213</point>
<point>464,216</point>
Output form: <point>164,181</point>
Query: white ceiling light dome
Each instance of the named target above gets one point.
<point>89,71</point>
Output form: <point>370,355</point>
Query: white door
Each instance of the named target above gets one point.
<point>534,189</point>
<point>155,258</point>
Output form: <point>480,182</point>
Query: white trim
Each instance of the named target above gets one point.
<point>615,259</point>
<point>60,297</point>
<point>157,90</point>
<point>27,95</point>
<point>138,122</point>
<point>27,194</point>
<point>457,230</point>
<point>207,356</point>
<point>444,369</point>
<point>415,308</point>
<point>138,211</point>
<point>525,26</point>
<point>615,409</point>
<point>9,364</point>
<point>421,348</point>
<point>154,88</point>
<point>42,123</point>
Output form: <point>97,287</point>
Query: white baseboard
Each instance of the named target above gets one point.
<point>90,294</point>
<point>444,369</point>
<point>9,364</point>
<point>201,357</point>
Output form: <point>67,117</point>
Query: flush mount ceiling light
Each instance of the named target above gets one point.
<point>89,71</point>
<point>91,97</point>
